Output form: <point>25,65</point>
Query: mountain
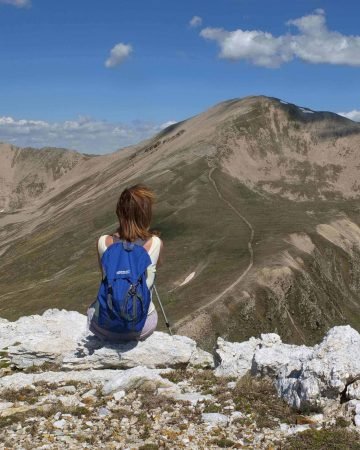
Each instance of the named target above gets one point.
<point>257,203</point>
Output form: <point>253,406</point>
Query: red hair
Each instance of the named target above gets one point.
<point>134,211</point>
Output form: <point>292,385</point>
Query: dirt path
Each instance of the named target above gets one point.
<point>244,273</point>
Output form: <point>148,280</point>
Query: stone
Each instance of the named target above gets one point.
<point>215,418</point>
<point>353,390</point>
<point>21,380</point>
<point>192,397</point>
<point>6,405</point>
<point>158,350</point>
<point>119,395</point>
<point>33,340</point>
<point>235,357</point>
<point>103,412</point>
<point>330,367</point>
<point>61,338</point>
<point>272,358</point>
<point>201,359</point>
<point>67,389</point>
<point>60,424</point>
<point>357,420</point>
<point>133,378</point>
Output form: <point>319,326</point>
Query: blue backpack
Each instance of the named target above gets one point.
<point>123,296</point>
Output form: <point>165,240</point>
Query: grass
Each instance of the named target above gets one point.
<point>259,398</point>
<point>324,439</point>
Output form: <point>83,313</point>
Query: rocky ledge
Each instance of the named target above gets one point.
<point>60,387</point>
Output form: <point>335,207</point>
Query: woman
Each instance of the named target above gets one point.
<point>134,212</point>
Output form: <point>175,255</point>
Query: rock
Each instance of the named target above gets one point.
<point>353,391</point>
<point>16,410</point>
<point>119,395</point>
<point>33,340</point>
<point>66,389</point>
<point>357,420</point>
<point>215,418</point>
<point>201,359</point>
<point>20,380</point>
<point>133,378</point>
<point>61,338</point>
<point>88,394</point>
<point>60,424</point>
<point>158,350</point>
<point>235,357</point>
<point>5,405</point>
<point>69,400</point>
<point>331,365</point>
<point>192,397</point>
<point>272,358</point>
<point>103,412</point>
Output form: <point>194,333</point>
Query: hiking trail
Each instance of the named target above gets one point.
<point>244,273</point>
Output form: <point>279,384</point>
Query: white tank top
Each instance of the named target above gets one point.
<point>154,252</point>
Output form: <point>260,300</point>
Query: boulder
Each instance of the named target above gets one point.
<point>126,380</point>
<point>34,340</point>
<point>272,356</point>
<point>235,358</point>
<point>20,380</point>
<point>325,374</point>
<point>61,338</point>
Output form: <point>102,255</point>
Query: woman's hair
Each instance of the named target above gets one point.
<point>134,211</point>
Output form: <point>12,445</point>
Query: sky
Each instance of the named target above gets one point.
<point>99,75</point>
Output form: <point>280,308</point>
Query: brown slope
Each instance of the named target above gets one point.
<point>51,242</point>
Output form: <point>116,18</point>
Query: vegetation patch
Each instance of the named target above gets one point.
<point>259,398</point>
<point>325,439</point>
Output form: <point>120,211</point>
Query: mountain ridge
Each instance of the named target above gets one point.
<point>276,165</point>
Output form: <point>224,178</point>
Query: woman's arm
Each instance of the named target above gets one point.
<point>161,254</point>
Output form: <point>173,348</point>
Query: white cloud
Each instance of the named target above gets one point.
<point>353,115</point>
<point>195,22</point>
<point>17,3</point>
<point>83,134</point>
<point>167,124</point>
<point>118,54</point>
<point>313,43</point>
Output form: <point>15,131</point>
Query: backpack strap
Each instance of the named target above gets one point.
<point>126,244</point>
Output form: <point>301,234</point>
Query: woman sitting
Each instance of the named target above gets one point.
<point>123,304</point>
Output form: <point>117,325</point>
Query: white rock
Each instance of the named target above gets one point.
<point>353,391</point>
<point>59,424</point>
<point>20,380</point>
<point>67,389</point>
<point>357,420</point>
<point>235,357</point>
<point>43,338</point>
<point>193,397</point>
<point>61,337</point>
<point>88,394</point>
<point>201,359</point>
<point>119,395</point>
<point>270,339</point>
<point>332,364</point>
<point>158,350</point>
<point>103,412</point>
<point>133,378</point>
<point>215,418</point>
<point>271,360</point>
<point>70,400</point>
<point>5,405</point>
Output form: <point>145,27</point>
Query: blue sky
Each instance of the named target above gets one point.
<point>56,88</point>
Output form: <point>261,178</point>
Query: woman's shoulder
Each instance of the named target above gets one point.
<point>103,243</point>
<point>156,241</point>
